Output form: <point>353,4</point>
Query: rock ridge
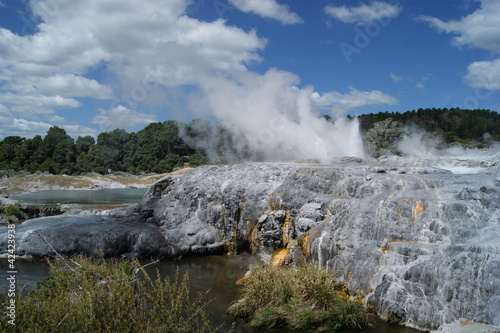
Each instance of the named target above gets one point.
<point>417,243</point>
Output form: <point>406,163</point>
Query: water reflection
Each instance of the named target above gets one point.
<point>218,275</point>
<point>29,272</point>
<point>84,197</point>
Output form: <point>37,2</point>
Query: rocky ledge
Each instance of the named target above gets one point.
<point>418,243</point>
<point>410,238</point>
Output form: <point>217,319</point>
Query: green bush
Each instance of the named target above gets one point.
<point>12,210</point>
<point>300,298</point>
<point>98,295</point>
<point>197,160</point>
<point>170,162</point>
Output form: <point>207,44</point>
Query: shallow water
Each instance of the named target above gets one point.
<point>83,197</point>
<point>215,274</point>
<point>218,275</point>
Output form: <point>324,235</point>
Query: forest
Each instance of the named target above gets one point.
<point>162,147</point>
<point>451,125</point>
<point>157,148</point>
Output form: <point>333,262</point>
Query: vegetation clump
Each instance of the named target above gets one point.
<point>10,213</point>
<point>97,295</point>
<point>300,298</point>
<point>12,210</point>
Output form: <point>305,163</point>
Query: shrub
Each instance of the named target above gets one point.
<point>197,160</point>
<point>12,210</point>
<point>98,295</point>
<point>170,162</point>
<point>300,298</point>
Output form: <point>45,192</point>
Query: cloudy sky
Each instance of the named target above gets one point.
<point>95,65</point>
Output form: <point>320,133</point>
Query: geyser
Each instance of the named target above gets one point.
<point>278,121</point>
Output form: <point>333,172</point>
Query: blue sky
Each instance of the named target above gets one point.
<point>95,65</point>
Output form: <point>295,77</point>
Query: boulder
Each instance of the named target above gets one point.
<point>90,235</point>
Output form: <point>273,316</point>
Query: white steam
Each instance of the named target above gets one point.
<point>417,142</point>
<point>423,149</point>
<point>272,117</point>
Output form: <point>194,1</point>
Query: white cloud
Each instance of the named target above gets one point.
<point>64,85</point>
<point>137,43</point>
<point>363,14</point>
<point>394,77</point>
<point>342,103</point>
<point>36,106</point>
<point>122,117</point>
<point>3,110</point>
<point>22,127</point>
<point>269,9</point>
<point>479,29</point>
<point>484,75</point>
<point>77,130</point>
<point>74,85</point>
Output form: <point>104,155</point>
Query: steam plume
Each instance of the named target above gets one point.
<point>275,119</point>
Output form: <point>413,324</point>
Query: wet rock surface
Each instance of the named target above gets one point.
<point>418,243</point>
<point>414,240</point>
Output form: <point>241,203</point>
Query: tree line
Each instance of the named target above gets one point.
<point>162,147</point>
<point>156,148</point>
<point>452,125</point>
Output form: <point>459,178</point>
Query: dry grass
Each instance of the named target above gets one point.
<point>40,182</point>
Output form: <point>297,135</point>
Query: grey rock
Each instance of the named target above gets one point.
<point>420,245</point>
<point>90,235</point>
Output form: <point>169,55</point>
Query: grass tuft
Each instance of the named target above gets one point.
<point>299,298</point>
<point>98,295</point>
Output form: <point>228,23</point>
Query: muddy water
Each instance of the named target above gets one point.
<point>215,274</point>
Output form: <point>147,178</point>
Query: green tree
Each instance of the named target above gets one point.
<point>83,157</point>
<point>454,125</point>
<point>31,154</point>
<point>111,152</point>
<point>9,149</point>
<point>154,142</point>
<point>197,159</point>
<point>169,163</point>
<point>60,151</point>
<point>171,141</point>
